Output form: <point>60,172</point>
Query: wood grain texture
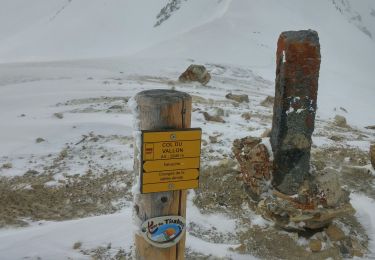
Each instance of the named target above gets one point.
<point>161,110</point>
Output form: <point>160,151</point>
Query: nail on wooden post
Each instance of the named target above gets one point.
<point>161,109</point>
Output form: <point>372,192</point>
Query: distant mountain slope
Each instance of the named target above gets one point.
<point>359,13</point>
<point>71,29</point>
<point>247,34</point>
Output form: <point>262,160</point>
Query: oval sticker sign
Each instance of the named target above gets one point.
<point>163,231</point>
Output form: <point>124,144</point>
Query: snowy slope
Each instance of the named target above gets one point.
<point>247,35</point>
<point>235,32</point>
<point>70,29</point>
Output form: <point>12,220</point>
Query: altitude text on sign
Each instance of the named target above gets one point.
<point>170,160</point>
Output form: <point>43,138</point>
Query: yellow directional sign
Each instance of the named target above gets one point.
<point>168,165</point>
<point>168,176</point>
<point>168,186</point>
<point>171,150</point>
<point>170,160</point>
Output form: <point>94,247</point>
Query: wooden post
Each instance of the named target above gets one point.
<point>160,109</point>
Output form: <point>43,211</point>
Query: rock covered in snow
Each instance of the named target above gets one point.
<point>340,121</point>
<point>238,98</point>
<point>215,118</point>
<point>195,73</point>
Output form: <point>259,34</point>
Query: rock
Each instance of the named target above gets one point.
<point>255,164</point>
<point>372,127</point>
<point>195,73</point>
<point>298,64</point>
<point>7,165</point>
<point>288,213</point>
<point>32,172</point>
<point>335,233</point>
<point>268,102</point>
<point>372,155</point>
<point>266,133</point>
<point>39,140</point>
<point>58,115</point>
<point>336,138</point>
<point>208,117</point>
<point>345,249</point>
<point>315,245</point>
<point>246,115</point>
<point>357,248</point>
<point>116,107</point>
<point>238,98</point>
<point>329,190</point>
<point>343,109</point>
<point>340,121</point>
<point>213,139</point>
<point>219,111</point>
<point>240,249</point>
<point>77,245</point>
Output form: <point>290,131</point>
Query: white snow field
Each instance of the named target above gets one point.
<point>68,68</point>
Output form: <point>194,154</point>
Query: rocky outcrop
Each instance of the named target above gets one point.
<point>195,73</point>
<point>171,7</point>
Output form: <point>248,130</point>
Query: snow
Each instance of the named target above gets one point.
<point>44,239</point>
<point>55,240</point>
<point>365,208</point>
<point>56,51</point>
<point>217,250</point>
<point>221,223</point>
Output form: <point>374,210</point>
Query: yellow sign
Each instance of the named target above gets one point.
<point>173,164</point>
<point>168,176</point>
<point>168,186</point>
<point>170,160</point>
<point>171,150</point>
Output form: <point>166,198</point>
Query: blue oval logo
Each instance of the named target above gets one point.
<point>163,231</point>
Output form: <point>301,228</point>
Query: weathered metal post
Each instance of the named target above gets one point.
<point>297,73</point>
<point>158,110</point>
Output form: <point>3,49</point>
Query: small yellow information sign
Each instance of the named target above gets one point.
<point>170,160</point>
